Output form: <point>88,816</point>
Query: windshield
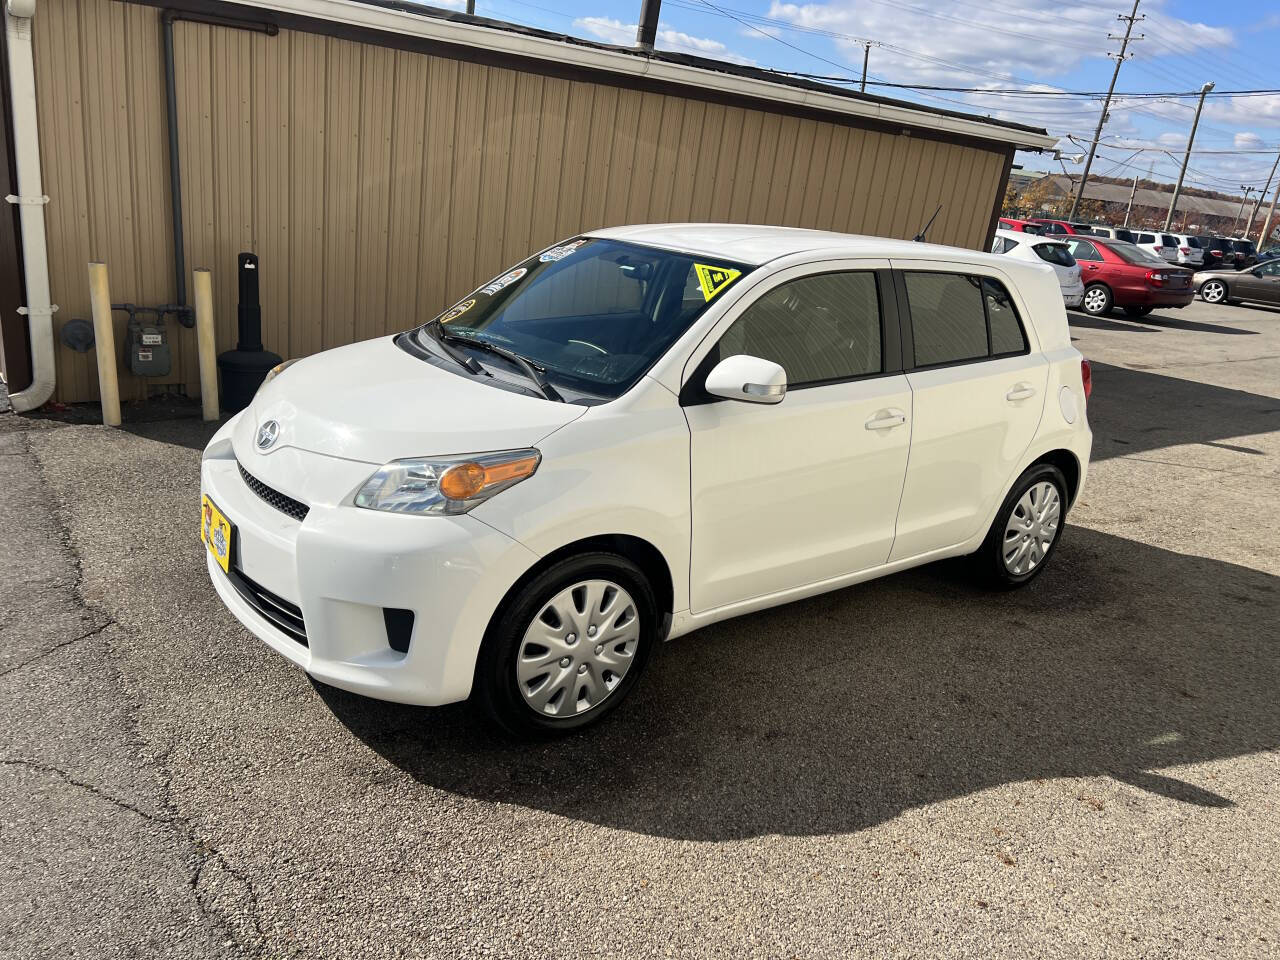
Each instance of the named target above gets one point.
<point>591,315</point>
<point>1055,253</point>
<point>1137,255</point>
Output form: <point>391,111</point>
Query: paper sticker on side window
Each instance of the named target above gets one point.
<point>714,279</point>
<point>559,253</point>
<point>506,280</point>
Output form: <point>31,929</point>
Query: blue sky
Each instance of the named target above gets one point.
<point>1025,44</point>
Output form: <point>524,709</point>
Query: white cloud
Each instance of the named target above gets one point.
<point>624,34</point>
<point>1246,140</point>
<point>1263,111</point>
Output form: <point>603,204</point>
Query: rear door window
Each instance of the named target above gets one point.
<point>1083,250</point>
<point>948,322</point>
<point>819,329</point>
<point>957,318</point>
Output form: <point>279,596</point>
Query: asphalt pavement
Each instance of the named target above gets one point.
<point>908,768</point>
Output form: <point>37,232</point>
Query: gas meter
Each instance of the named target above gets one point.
<point>147,343</point>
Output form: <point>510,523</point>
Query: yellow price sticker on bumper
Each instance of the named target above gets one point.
<point>215,531</point>
<point>714,279</point>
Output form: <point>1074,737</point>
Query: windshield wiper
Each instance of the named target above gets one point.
<point>528,367</point>
<point>470,364</point>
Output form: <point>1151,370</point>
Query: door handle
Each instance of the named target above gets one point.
<point>1021,391</point>
<point>1091,266</point>
<point>886,419</point>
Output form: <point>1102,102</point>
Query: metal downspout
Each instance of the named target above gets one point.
<point>30,202</point>
<point>167,20</point>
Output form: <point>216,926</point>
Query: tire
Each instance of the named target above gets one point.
<point>1214,291</point>
<point>1097,300</point>
<point>546,622</point>
<point>1137,311</point>
<point>990,563</point>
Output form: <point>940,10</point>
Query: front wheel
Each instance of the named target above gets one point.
<point>568,646</point>
<point>1097,300</point>
<point>1213,291</point>
<point>1026,529</point>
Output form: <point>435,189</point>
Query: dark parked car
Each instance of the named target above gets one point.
<point>1260,283</point>
<point>1246,253</point>
<point>1119,274</point>
<point>1217,252</point>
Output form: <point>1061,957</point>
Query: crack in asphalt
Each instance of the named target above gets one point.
<point>203,851</point>
<point>55,648</point>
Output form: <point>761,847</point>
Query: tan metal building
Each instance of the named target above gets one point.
<point>382,162</point>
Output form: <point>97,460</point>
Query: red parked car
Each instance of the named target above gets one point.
<point>1022,226</point>
<point>1059,227</point>
<point>1119,274</point>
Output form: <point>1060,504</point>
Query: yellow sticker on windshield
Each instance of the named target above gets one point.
<point>714,279</point>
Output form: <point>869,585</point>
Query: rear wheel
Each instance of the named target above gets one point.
<point>1213,291</point>
<point>568,646</point>
<point>1137,311</point>
<point>1026,529</point>
<point>1097,300</point>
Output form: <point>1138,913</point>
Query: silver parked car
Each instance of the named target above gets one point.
<point>1190,253</point>
<point>1260,284</point>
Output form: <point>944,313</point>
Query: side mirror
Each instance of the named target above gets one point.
<point>747,378</point>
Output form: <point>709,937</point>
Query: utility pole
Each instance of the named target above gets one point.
<point>1253,217</point>
<point>866,55</point>
<point>1132,193</point>
<point>1186,157</point>
<point>1243,201</point>
<point>647,29</point>
<point>1130,20</point>
<point>1265,235</point>
<point>471,8</point>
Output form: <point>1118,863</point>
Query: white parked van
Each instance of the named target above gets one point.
<point>633,434</point>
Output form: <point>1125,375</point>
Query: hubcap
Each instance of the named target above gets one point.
<point>1213,291</point>
<point>1095,300</point>
<point>560,677</point>
<point>1032,527</point>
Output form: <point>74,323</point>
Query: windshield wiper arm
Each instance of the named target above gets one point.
<point>528,367</point>
<point>470,364</point>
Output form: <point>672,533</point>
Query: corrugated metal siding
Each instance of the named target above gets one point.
<point>378,186</point>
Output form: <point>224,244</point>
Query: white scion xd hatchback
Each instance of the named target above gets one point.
<point>631,435</point>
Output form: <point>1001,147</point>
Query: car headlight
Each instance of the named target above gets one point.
<point>278,369</point>
<point>445,485</point>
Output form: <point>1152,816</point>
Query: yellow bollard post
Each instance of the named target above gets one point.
<point>104,338</point>
<point>202,286</point>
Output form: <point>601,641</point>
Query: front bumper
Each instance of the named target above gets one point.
<point>343,567</point>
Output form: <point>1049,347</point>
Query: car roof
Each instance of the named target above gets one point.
<point>1032,239</point>
<point>757,244</point>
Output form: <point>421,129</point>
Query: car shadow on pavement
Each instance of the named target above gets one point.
<point>839,712</point>
<point>1135,410</point>
<point>1167,321</point>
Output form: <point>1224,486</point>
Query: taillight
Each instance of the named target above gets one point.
<point>1155,278</point>
<point>1086,378</point>
<point>1184,250</point>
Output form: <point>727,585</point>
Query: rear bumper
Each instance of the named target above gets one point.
<point>342,567</point>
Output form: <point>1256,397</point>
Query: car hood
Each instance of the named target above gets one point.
<point>372,402</point>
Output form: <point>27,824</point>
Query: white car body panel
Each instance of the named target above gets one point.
<point>747,505</point>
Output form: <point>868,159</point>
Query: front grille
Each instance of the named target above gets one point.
<point>285,504</point>
<point>286,616</point>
